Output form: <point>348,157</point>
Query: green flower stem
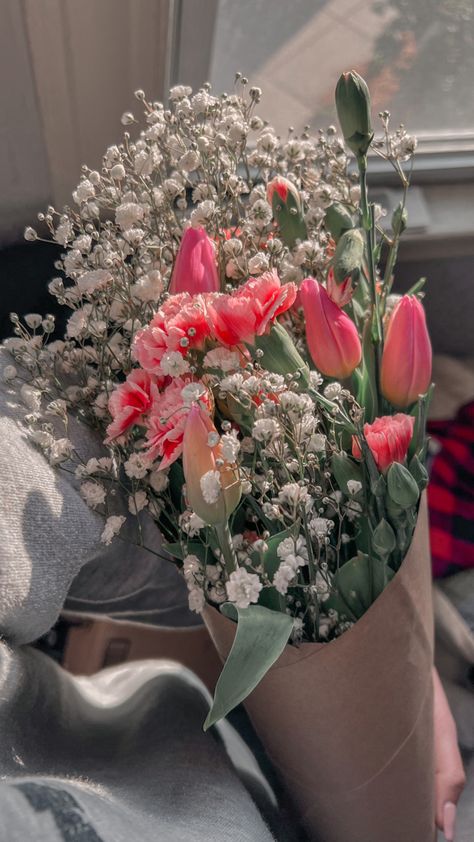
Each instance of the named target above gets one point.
<point>368,224</point>
<point>226,546</point>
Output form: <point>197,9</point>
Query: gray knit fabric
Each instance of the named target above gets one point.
<point>48,534</point>
<point>119,757</point>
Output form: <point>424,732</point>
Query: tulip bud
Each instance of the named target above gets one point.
<point>195,268</point>
<point>212,486</point>
<point>407,356</point>
<point>353,111</point>
<point>285,200</point>
<point>331,335</point>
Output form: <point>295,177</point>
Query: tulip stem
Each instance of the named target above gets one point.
<point>368,224</point>
<point>226,546</point>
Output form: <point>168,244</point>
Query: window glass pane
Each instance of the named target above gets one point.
<point>417,55</point>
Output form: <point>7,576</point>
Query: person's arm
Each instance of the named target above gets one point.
<point>449,770</point>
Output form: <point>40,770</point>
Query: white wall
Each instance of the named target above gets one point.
<point>68,69</point>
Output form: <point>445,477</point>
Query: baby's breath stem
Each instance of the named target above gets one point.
<point>227,548</point>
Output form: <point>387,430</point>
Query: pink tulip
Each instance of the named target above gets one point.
<point>195,268</point>
<point>407,356</point>
<point>389,438</point>
<point>331,335</point>
<point>212,485</point>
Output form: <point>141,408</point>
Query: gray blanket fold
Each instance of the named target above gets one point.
<point>119,757</point>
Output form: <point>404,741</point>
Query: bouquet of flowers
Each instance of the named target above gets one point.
<point>262,395</point>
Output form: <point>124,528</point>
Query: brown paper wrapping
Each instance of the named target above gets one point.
<point>349,724</point>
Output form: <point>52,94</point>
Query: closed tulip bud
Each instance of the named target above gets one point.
<point>285,200</point>
<point>195,268</point>
<point>353,111</point>
<point>212,486</point>
<point>407,356</point>
<point>331,335</point>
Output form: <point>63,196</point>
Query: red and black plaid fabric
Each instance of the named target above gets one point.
<point>451,494</point>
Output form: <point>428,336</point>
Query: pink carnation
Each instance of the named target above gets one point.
<point>181,323</point>
<point>267,298</point>
<point>389,438</point>
<point>129,401</point>
<point>166,423</point>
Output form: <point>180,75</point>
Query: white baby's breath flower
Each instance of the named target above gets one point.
<point>230,446</point>
<point>191,567</point>
<point>136,467</point>
<point>192,392</point>
<point>258,264</point>
<point>84,191</point>
<point>112,527</point>
<point>148,288</point>
<point>128,214</point>
<point>317,443</point>
<point>354,486</point>
<point>93,493</point>
<point>283,577</point>
<point>292,495</point>
<point>210,483</point>
<point>191,523</point>
<point>158,480</point>
<point>266,430</point>
<point>173,364</point>
<point>243,588</point>
<point>33,320</point>
<point>91,281</point>
<point>332,391</point>
<point>60,450</point>
<point>320,527</point>
<point>137,502</point>
<point>223,359</point>
<point>179,92</point>
<point>196,600</point>
<point>78,322</point>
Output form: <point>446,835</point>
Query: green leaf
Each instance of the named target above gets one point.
<point>419,473</point>
<point>259,641</point>
<point>345,469</point>
<point>416,288</point>
<point>349,254</point>
<point>384,540</point>
<point>399,219</point>
<point>358,582</point>
<point>402,487</point>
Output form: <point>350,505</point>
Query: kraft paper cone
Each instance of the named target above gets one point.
<point>349,724</point>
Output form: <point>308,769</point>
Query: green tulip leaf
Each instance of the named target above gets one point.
<point>260,639</point>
